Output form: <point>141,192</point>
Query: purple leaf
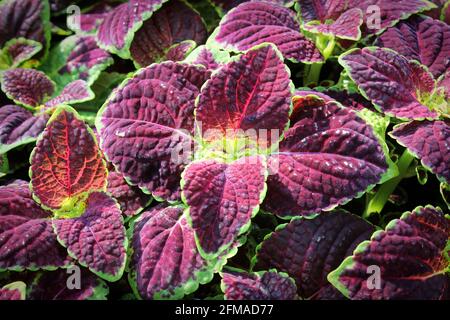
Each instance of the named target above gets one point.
<point>27,19</point>
<point>179,51</point>
<point>97,238</point>
<point>222,199</point>
<point>252,92</point>
<point>147,119</point>
<point>166,262</point>
<point>329,156</point>
<point>116,31</point>
<point>428,141</point>
<point>230,4</point>
<point>210,58</point>
<point>349,98</point>
<point>423,39</point>
<point>19,126</point>
<point>253,23</point>
<point>422,272</point>
<point>90,20</point>
<point>396,86</point>
<point>75,92</point>
<point>13,291</point>
<point>20,50</point>
<point>131,199</point>
<point>308,249</point>
<point>53,286</point>
<point>27,87</point>
<point>174,23</point>
<point>347,26</point>
<point>265,285</point>
<point>27,240</point>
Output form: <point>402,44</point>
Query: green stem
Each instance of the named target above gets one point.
<point>313,75</point>
<point>377,203</point>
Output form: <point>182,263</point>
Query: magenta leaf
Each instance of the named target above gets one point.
<point>90,20</point>
<point>329,156</point>
<point>27,240</point>
<point>75,92</point>
<point>421,275</point>
<point>97,238</point>
<point>19,126</point>
<point>131,199</point>
<point>253,23</point>
<point>13,291</point>
<point>179,51</point>
<point>396,86</point>
<point>66,164</point>
<point>27,19</point>
<point>423,39</point>
<point>211,58</point>
<point>222,199</point>
<point>53,286</point>
<point>147,119</point>
<point>227,5</point>
<point>264,285</point>
<point>116,31</point>
<point>308,249</point>
<point>174,23</point>
<point>27,87</point>
<point>252,92</point>
<point>429,141</point>
<point>166,263</point>
<point>19,50</point>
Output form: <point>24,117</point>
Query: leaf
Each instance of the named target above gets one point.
<point>417,242</point>
<point>27,87</point>
<point>211,58</point>
<point>227,5</point>
<point>147,119</point>
<point>264,285</point>
<point>29,19</point>
<point>66,164</point>
<point>329,156</point>
<point>174,23</point>
<point>423,39</point>
<point>429,141</point>
<point>131,199</point>
<point>19,50</point>
<point>54,286</point>
<point>180,51</point>
<point>97,238</point>
<point>19,126</point>
<point>116,31</point>
<point>166,263</point>
<point>90,19</point>
<point>395,86</point>
<point>27,240</point>
<point>252,92</point>
<point>347,26</point>
<point>13,291</point>
<point>222,199</point>
<point>308,249</point>
<point>253,23</point>
<point>75,92</point>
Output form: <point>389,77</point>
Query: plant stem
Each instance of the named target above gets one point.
<point>377,203</point>
<point>313,74</point>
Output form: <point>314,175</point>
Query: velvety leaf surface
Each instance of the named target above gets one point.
<point>308,249</point>
<point>222,199</point>
<point>210,58</point>
<point>265,285</point>
<point>27,240</point>
<point>395,85</point>
<point>75,92</point>
<point>97,238</point>
<point>350,99</point>
<point>329,156</point>
<point>347,26</point>
<point>166,262</point>
<point>175,22</point>
<point>53,286</point>
<point>13,291</point>
<point>28,87</point>
<point>66,163</point>
<point>149,117</point>
<point>253,23</point>
<point>423,39</point>
<point>227,5</point>
<point>253,92</point>
<point>19,126</point>
<point>405,271</point>
<point>20,50</point>
<point>116,31</point>
<point>430,142</point>
<point>27,19</point>
<point>131,199</point>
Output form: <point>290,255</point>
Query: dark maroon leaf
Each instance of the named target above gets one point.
<point>13,291</point>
